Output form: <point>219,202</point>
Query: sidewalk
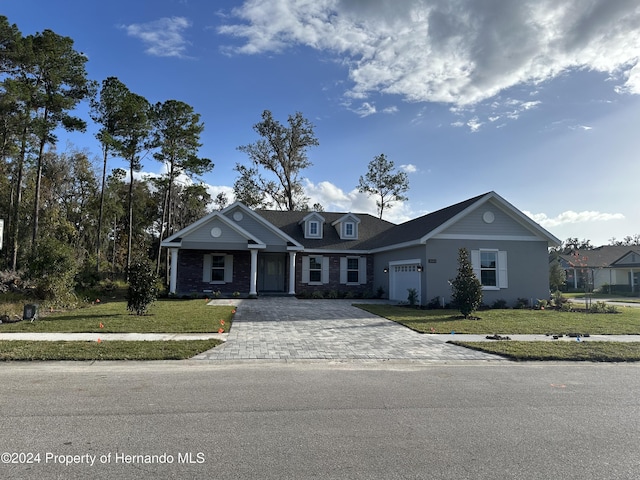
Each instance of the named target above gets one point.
<point>93,337</point>
<point>443,338</point>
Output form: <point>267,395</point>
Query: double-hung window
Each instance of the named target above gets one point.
<point>353,269</point>
<point>489,268</point>
<point>315,269</point>
<point>314,229</point>
<point>217,268</point>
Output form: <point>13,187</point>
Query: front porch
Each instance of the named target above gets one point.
<point>249,272</point>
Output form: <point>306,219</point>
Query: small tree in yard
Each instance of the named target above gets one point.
<point>143,289</point>
<point>467,289</point>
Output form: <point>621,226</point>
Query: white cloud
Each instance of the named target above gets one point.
<point>571,217</point>
<point>163,37</point>
<point>409,168</point>
<point>334,199</point>
<point>457,52</point>
<point>391,110</point>
<point>474,124</point>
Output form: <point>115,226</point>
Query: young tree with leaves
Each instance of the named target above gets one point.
<point>383,181</point>
<point>282,152</point>
<point>467,290</point>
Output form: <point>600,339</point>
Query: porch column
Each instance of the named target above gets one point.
<point>253,277</point>
<point>292,273</point>
<point>173,279</point>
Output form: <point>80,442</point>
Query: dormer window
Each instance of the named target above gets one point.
<point>312,225</point>
<point>347,226</point>
<point>349,230</point>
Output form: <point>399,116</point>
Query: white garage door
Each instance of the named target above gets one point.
<point>403,276</point>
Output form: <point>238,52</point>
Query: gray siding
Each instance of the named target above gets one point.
<point>502,225</point>
<point>273,241</point>
<point>381,261</point>
<point>202,235</point>
<point>527,269</point>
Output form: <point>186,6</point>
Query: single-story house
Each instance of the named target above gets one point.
<point>239,250</point>
<point>617,268</point>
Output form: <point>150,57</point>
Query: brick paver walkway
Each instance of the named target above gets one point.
<point>288,328</point>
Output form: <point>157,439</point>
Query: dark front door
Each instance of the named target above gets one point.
<point>271,272</point>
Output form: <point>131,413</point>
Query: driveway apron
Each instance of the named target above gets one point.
<point>288,328</point>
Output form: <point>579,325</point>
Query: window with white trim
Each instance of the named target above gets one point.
<point>490,266</point>
<point>217,268</point>
<point>315,269</point>
<point>314,228</point>
<point>353,270</point>
<point>349,230</point>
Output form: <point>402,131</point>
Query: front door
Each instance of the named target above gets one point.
<point>271,273</point>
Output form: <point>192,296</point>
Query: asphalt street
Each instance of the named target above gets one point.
<point>334,420</point>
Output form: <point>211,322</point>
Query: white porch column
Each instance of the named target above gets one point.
<point>292,273</point>
<point>253,277</point>
<point>173,279</point>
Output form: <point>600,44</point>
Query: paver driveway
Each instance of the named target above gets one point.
<point>288,328</point>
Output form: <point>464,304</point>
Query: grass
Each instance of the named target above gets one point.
<point>165,316</point>
<point>560,351</point>
<point>13,350</point>
<point>505,322</point>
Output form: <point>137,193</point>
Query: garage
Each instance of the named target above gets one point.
<point>403,275</point>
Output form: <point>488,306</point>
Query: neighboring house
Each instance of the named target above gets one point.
<point>281,252</point>
<point>617,268</point>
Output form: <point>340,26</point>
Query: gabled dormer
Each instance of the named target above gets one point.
<point>347,226</point>
<point>312,225</point>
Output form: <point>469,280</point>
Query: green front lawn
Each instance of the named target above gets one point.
<point>560,351</point>
<point>165,316</point>
<point>513,322</point>
<point>106,350</point>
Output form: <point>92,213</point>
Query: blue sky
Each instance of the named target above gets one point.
<point>538,100</point>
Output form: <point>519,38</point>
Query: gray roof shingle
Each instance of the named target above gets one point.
<point>372,231</point>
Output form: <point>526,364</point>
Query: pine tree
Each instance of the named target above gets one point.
<point>467,289</point>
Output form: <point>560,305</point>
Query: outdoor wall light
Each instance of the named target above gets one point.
<point>419,268</point>
<point>386,269</point>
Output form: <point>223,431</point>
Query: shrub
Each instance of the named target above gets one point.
<point>143,287</point>
<point>332,294</point>
<point>434,303</point>
<point>499,304</point>
<point>558,299</point>
<point>380,292</point>
<point>601,307</point>
<point>467,290</point>
<point>53,266</point>
<point>317,294</point>
<point>522,303</point>
<point>412,298</point>
<point>542,304</point>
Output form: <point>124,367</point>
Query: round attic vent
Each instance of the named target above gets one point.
<point>488,217</point>
<point>237,216</point>
<point>216,232</point>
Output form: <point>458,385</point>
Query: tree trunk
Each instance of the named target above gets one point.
<point>130,219</point>
<point>16,213</point>
<point>36,201</point>
<point>101,214</point>
<point>162,230</point>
